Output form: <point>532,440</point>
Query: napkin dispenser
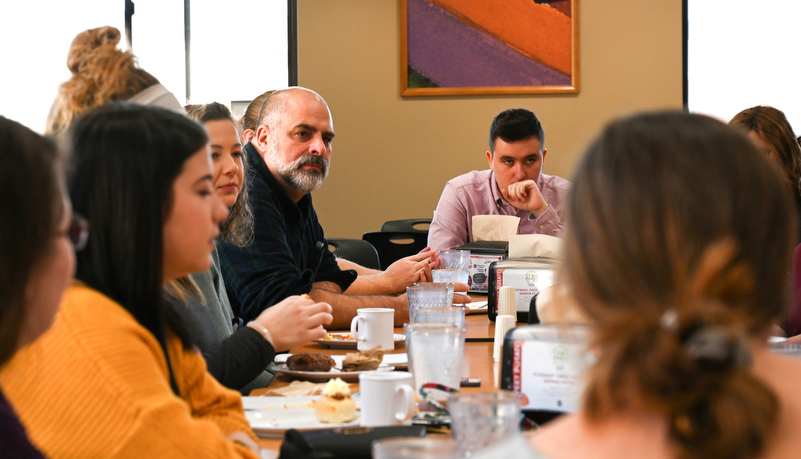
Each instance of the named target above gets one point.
<point>546,365</point>
<point>527,275</point>
<point>482,254</point>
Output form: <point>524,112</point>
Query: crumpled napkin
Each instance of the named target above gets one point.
<point>363,361</point>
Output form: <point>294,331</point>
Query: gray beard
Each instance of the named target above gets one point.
<point>294,175</point>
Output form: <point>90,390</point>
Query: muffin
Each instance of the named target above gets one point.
<point>335,406</point>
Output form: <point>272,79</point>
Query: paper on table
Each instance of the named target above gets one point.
<point>534,245</point>
<point>494,227</point>
<point>297,389</point>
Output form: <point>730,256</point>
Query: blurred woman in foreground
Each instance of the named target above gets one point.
<point>680,258</point>
<point>38,235</point>
<point>117,375</point>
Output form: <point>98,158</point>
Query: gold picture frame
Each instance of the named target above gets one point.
<point>463,47</point>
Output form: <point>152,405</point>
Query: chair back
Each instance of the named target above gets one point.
<point>356,250</point>
<point>414,225</point>
<point>394,245</point>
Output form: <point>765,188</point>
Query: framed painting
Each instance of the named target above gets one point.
<point>457,47</point>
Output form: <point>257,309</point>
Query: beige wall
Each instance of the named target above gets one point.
<point>393,155</point>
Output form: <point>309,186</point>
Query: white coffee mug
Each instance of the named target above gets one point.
<point>373,327</point>
<point>387,398</point>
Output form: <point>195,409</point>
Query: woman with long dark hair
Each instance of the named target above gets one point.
<point>38,235</point>
<point>117,376</point>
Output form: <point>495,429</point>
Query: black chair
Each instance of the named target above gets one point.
<point>394,245</point>
<point>356,250</point>
<point>414,225</point>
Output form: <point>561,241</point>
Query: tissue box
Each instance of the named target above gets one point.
<point>527,275</point>
<point>482,253</point>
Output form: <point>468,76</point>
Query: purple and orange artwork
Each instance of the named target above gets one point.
<point>451,47</point>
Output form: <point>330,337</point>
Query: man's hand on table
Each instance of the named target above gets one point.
<point>407,271</point>
<point>525,195</point>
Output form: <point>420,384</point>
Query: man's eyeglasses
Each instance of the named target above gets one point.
<point>78,232</point>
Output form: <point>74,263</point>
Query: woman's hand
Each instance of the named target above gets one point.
<point>295,321</point>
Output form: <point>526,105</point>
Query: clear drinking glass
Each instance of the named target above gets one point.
<point>451,275</point>
<point>435,353</point>
<point>450,315</point>
<point>413,447</point>
<point>427,295</point>
<point>448,285</point>
<point>479,420</point>
<point>455,259</point>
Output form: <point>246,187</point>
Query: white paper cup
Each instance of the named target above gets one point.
<point>373,327</point>
<point>387,398</point>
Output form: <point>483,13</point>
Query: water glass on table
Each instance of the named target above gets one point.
<point>427,295</point>
<point>435,353</point>
<point>450,315</point>
<point>479,420</point>
<point>451,275</point>
<point>412,447</point>
<point>448,285</point>
<point>454,259</point>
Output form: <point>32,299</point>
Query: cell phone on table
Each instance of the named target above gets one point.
<point>470,382</point>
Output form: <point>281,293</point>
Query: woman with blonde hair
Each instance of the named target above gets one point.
<point>678,253</point>
<point>102,74</point>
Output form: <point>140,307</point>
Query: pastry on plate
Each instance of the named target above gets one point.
<point>336,405</point>
<point>310,361</point>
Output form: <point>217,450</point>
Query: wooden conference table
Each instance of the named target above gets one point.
<point>477,363</point>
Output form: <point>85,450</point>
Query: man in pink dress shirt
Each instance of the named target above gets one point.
<point>513,185</point>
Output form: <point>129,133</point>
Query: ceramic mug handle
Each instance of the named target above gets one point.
<point>408,403</point>
<point>355,324</point>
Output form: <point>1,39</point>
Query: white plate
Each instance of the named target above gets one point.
<point>399,361</point>
<point>479,307</point>
<point>320,376</point>
<point>351,343</point>
<point>270,417</point>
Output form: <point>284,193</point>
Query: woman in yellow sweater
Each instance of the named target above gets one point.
<point>37,261</point>
<point>117,375</point>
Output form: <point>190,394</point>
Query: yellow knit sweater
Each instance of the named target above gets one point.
<point>96,385</point>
